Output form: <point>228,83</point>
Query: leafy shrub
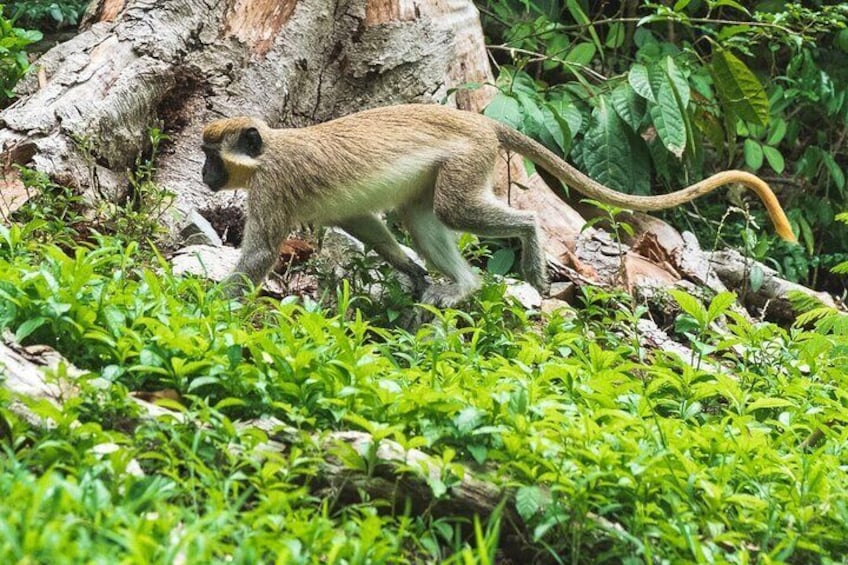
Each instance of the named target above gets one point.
<point>646,94</point>
<point>615,453</point>
<point>46,14</point>
<point>13,56</point>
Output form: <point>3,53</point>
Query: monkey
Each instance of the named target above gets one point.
<point>433,164</point>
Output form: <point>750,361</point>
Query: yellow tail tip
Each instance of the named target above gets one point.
<point>785,232</point>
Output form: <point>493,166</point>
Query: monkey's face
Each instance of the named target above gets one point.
<point>214,173</point>
<point>231,147</point>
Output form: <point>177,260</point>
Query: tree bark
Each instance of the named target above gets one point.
<point>84,117</point>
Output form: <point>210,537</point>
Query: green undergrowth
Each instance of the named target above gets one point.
<point>738,455</point>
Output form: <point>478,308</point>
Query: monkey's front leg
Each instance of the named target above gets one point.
<point>259,252</point>
<point>370,230</point>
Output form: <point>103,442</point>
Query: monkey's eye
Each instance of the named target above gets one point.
<point>250,142</point>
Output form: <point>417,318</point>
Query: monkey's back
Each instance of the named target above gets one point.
<point>393,152</point>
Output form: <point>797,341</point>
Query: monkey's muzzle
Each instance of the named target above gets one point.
<point>214,173</point>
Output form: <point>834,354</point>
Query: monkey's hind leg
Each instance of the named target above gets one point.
<point>437,243</point>
<point>464,201</point>
<point>370,230</point>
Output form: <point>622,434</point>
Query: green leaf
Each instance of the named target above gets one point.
<point>468,419</point>
<point>738,88</point>
<point>774,158</point>
<point>841,40</point>
<point>567,111</point>
<point>544,124</point>
<point>438,486</point>
<point>581,18</point>
<point>505,109</point>
<point>835,170</point>
<point>757,276</point>
<point>558,128</point>
<point>613,157</point>
<point>719,304</point>
<point>753,152</point>
<point>348,456</point>
<point>202,381</point>
<point>638,79</point>
<point>25,329</point>
<point>581,54</point>
<point>628,105</point>
<point>230,402</point>
<point>690,305</point>
<point>479,453</point>
<point>501,261</point>
<point>56,13</point>
<point>532,114</point>
<point>528,501</point>
<point>668,113</point>
<point>615,36</point>
<point>709,125</point>
<point>776,132</point>
<point>678,81</point>
<point>29,36</point>
<point>761,403</point>
<point>732,4</point>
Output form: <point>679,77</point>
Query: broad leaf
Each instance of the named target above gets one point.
<point>25,329</point>
<point>668,113</point>
<point>558,46</point>
<point>501,261</point>
<point>731,3</point>
<point>753,152</point>
<point>581,18</point>
<point>531,114</point>
<point>774,158</point>
<point>835,170</point>
<point>778,131</point>
<point>581,54</point>
<point>757,277</point>
<point>629,106</point>
<point>690,305</point>
<point>767,402</point>
<point>638,79</point>
<point>542,123</point>
<point>556,126</point>
<point>719,304</point>
<point>505,109</point>
<point>528,501</point>
<point>678,81</point>
<point>566,110</point>
<point>739,89</point>
<point>710,126</point>
<point>613,157</point>
<point>615,36</point>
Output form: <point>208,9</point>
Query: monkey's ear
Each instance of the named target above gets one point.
<point>250,142</point>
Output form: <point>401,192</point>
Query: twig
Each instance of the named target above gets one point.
<point>542,57</point>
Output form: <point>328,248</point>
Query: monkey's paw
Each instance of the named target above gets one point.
<point>445,295</point>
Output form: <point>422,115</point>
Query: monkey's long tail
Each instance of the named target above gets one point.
<point>539,154</point>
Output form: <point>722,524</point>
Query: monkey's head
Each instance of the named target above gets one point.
<point>232,147</point>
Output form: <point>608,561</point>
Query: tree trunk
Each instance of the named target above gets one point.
<point>84,116</point>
